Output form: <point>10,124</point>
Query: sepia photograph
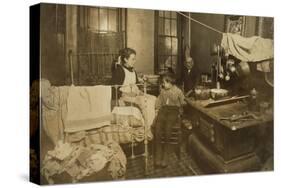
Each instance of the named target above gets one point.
<point>122,93</point>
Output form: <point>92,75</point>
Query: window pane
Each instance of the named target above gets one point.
<point>93,18</point>
<point>174,27</point>
<point>168,45</point>
<point>161,46</point>
<point>174,46</point>
<point>105,45</point>
<point>112,43</point>
<point>108,40</point>
<point>112,20</point>
<point>168,62</point>
<point>167,14</point>
<point>108,61</point>
<point>161,63</point>
<point>174,14</point>
<point>161,26</point>
<point>103,20</point>
<point>174,63</point>
<point>161,14</point>
<point>94,42</point>
<point>97,68</point>
<point>167,27</point>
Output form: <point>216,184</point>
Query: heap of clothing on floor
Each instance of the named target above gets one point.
<point>84,161</point>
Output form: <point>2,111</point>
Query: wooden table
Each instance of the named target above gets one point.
<point>228,142</point>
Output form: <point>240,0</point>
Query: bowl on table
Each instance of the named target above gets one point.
<point>201,93</point>
<point>217,94</point>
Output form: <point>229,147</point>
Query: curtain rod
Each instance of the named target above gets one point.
<point>207,26</point>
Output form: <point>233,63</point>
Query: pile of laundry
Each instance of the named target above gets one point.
<point>84,161</point>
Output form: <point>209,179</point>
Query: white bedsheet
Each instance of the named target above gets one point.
<point>88,108</point>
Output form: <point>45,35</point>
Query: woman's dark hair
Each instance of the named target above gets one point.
<point>169,77</point>
<point>125,53</point>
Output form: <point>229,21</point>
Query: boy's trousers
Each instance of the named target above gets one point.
<point>168,116</point>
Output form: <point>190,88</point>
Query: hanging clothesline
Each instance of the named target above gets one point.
<point>205,25</point>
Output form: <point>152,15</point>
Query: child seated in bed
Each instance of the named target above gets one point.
<point>169,106</point>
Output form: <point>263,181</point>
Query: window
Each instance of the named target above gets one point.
<point>265,27</point>
<point>101,36</point>
<point>167,41</point>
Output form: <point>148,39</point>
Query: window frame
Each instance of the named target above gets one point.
<point>158,35</point>
<point>97,68</point>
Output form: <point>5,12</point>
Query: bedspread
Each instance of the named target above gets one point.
<point>111,133</point>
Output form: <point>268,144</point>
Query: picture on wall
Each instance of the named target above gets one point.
<point>235,24</point>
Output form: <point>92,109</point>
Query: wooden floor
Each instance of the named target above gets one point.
<point>176,168</point>
<point>135,167</point>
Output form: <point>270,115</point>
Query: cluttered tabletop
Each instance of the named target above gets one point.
<point>233,113</point>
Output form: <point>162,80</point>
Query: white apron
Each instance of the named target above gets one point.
<point>129,82</point>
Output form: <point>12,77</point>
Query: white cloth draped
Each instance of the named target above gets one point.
<point>251,49</point>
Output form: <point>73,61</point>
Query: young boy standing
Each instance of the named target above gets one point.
<point>169,106</point>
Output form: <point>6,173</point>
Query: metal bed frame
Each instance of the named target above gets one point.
<point>116,87</point>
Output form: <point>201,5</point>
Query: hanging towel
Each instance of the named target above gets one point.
<point>250,49</point>
<point>88,108</point>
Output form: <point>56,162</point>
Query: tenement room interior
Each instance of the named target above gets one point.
<point>121,93</point>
